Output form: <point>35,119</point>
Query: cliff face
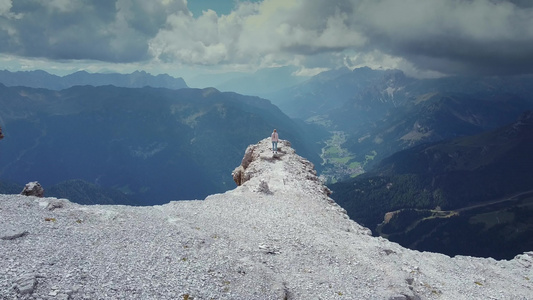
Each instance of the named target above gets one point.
<point>276,236</point>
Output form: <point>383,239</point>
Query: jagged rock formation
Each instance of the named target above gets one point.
<point>261,152</point>
<point>33,189</point>
<point>42,79</point>
<point>254,153</point>
<point>276,236</point>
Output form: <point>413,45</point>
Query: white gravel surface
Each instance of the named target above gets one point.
<point>277,236</point>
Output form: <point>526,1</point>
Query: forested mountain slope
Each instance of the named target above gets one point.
<point>149,143</point>
<point>470,195</point>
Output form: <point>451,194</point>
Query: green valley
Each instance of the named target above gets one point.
<point>470,195</point>
<point>338,163</point>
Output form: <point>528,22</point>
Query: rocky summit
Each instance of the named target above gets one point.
<point>277,235</point>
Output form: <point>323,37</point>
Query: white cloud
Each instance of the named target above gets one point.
<point>440,35</point>
<point>63,6</point>
<point>446,36</point>
<point>256,33</point>
<point>308,72</point>
<point>5,12</point>
<point>5,7</point>
<point>190,41</point>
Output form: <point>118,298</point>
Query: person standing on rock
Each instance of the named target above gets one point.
<point>275,140</point>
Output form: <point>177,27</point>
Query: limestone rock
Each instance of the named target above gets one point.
<point>12,234</point>
<point>55,205</point>
<point>239,174</point>
<point>33,189</point>
<point>248,156</point>
<point>257,152</point>
<point>25,284</point>
<point>241,244</point>
<point>263,188</point>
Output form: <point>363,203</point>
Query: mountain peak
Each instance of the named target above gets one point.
<point>279,172</point>
<point>276,236</point>
<point>42,79</point>
<point>362,70</point>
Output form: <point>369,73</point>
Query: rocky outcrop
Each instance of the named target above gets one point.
<point>259,151</point>
<point>276,236</point>
<point>25,284</point>
<point>33,189</point>
<point>256,156</point>
<point>12,234</point>
<point>1,134</point>
<point>238,174</point>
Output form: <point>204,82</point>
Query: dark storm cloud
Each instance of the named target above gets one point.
<point>76,32</point>
<point>448,36</point>
<point>453,36</point>
<point>521,3</point>
<point>115,31</point>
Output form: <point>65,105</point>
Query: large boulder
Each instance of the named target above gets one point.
<point>1,134</point>
<point>33,189</point>
<point>239,173</point>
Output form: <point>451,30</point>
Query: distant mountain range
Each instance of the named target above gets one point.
<point>439,154</point>
<point>152,144</point>
<point>471,195</point>
<point>317,97</point>
<point>346,98</point>
<point>261,83</point>
<point>42,79</point>
<point>381,112</point>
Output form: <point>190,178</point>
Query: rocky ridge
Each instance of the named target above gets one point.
<point>276,236</point>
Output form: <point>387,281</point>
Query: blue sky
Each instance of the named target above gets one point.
<point>221,7</point>
<point>189,38</point>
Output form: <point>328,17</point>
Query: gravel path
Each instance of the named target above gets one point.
<point>277,236</point>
